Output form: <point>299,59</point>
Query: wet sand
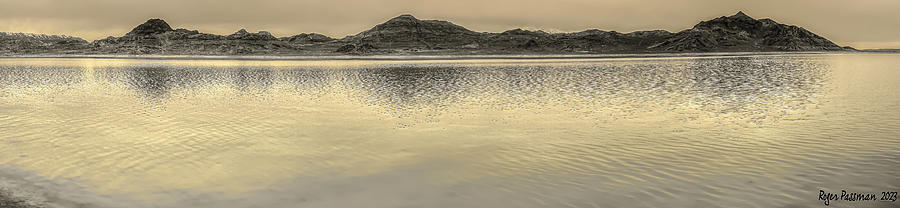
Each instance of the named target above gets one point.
<point>24,189</point>
<point>8,201</point>
<point>13,195</point>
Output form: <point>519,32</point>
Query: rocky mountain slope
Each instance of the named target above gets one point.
<point>740,32</point>
<point>406,34</point>
<point>27,43</point>
<point>156,37</point>
<point>405,31</point>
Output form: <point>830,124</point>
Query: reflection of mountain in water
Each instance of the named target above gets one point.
<point>248,79</point>
<point>159,81</point>
<point>152,81</point>
<point>409,86</point>
<point>756,83</point>
<point>748,86</point>
<point>15,76</point>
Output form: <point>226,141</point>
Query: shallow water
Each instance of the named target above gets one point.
<point>744,131</point>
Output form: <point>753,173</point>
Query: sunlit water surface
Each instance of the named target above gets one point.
<point>746,131</point>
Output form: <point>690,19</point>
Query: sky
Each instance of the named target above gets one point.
<point>857,23</point>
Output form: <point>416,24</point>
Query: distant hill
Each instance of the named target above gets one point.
<point>740,32</point>
<point>885,50</point>
<point>28,43</point>
<point>156,37</point>
<point>405,31</point>
<point>407,34</point>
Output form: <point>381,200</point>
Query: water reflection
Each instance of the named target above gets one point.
<point>751,87</point>
<point>473,133</point>
<point>252,79</point>
<point>747,84</point>
<point>409,87</point>
<point>30,76</point>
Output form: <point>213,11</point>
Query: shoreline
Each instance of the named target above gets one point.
<point>16,191</point>
<point>20,188</point>
<point>8,201</point>
<point>418,57</point>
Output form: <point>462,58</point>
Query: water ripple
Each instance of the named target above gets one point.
<point>682,132</point>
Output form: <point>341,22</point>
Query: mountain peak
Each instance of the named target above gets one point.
<point>737,21</point>
<point>403,18</point>
<point>741,32</point>
<point>244,35</point>
<point>741,15</point>
<point>308,38</point>
<point>408,31</point>
<point>151,27</point>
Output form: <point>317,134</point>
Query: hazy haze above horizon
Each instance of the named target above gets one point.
<point>861,23</point>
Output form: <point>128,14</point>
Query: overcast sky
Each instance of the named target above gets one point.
<point>858,23</point>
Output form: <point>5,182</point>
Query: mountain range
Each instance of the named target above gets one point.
<point>407,35</point>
